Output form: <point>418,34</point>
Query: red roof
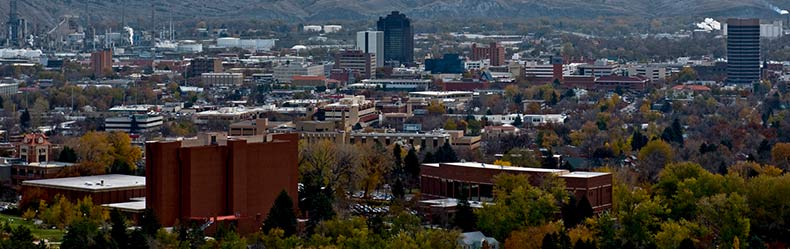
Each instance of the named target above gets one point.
<point>33,139</point>
<point>691,87</point>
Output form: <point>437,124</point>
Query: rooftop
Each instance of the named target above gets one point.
<point>494,166</point>
<point>584,174</point>
<point>131,206</point>
<point>97,183</point>
<point>559,172</point>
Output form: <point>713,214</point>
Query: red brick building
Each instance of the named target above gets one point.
<point>475,180</point>
<point>494,53</point>
<point>612,82</point>
<point>220,177</point>
<point>101,62</point>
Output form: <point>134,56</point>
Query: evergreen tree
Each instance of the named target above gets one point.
<point>67,155</point>
<point>429,158</point>
<point>549,242</point>
<point>82,234</point>
<point>281,215</point>
<point>517,121</point>
<point>553,100</point>
<point>149,223</point>
<point>24,119</point>
<point>134,126</point>
<point>21,238</point>
<point>398,190</point>
<point>570,216</point>
<point>584,209</point>
<point>316,199</point>
<point>638,141</point>
<point>446,154</point>
<point>686,244</point>
<point>465,218</point>
<point>677,131</point>
<point>585,244</point>
<point>118,230</point>
<point>137,240</point>
<point>411,164</point>
<point>569,94</point>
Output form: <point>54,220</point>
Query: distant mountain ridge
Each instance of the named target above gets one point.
<point>48,12</point>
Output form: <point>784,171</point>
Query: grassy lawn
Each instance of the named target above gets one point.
<point>52,235</point>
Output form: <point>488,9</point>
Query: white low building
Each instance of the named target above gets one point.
<point>398,84</point>
<point>508,119</point>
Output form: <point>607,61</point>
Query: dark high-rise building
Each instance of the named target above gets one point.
<point>398,38</point>
<point>201,65</point>
<point>743,51</point>
<point>450,63</point>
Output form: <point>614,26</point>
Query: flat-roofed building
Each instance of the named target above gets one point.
<point>475,180</point>
<point>352,110</point>
<point>372,42</point>
<point>134,123</point>
<point>613,82</point>
<point>231,114</point>
<point>397,84</point>
<point>356,60</point>
<point>249,127</point>
<point>422,141</point>
<point>102,189</point>
<point>284,73</point>
<point>9,89</point>
<point>309,81</point>
<point>222,79</point>
<point>599,69</point>
<point>439,95</point>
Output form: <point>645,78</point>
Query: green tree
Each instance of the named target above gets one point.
<point>474,127</point>
<point>726,216</point>
<point>281,215</point>
<point>21,238</point>
<point>518,204</point>
<point>450,125</point>
<point>638,216</point>
<point>653,157</point>
<point>769,203</point>
<point>84,234</point>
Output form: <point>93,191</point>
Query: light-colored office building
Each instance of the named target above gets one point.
<point>285,72</point>
<point>372,42</point>
<point>222,79</point>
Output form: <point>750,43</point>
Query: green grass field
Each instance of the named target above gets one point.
<point>53,235</point>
